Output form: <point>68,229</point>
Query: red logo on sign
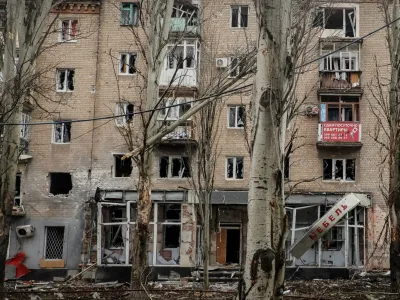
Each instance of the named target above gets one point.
<point>340,132</point>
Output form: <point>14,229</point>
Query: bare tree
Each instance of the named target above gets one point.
<point>21,43</point>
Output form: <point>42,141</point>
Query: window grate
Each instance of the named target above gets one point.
<point>54,242</point>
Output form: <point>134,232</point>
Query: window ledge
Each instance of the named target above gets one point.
<point>58,91</point>
<point>234,179</point>
<point>55,143</point>
<point>240,128</point>
<point>68,42</point>
<point>338,181</point>
<point>128,75</point>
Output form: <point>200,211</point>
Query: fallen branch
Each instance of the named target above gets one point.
<point>82,272</point>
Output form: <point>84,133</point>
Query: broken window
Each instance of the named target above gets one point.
<point>341,108</point>
<point>25,119</point>
<point>341,20</point>
<point>129,14</point>
<point>236,116</point>
<point>339,169</point>
<point>125,113</point>
<point>174,109</point>
<point>127,63</point>
<point>333,240</point>
<point>54,243</point>
<point>346,59</point>
<point>188,12</point>
<point>169,226</point>
<point>17,196</point>
<point>68,30</point>
<point>62,132</point>
<point>286,170</point>
<point>239,16</point>
<point>60,183</point>
<point>182,56</point>
<point>65,80</point>
<point>174,167</point>
<point>123,168</point>
<point>234,167</point>
<point>236,66</point>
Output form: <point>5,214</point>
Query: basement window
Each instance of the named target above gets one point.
<point>127,63</point>
<point>68,30</point>
<point>234,167</point>
<point>60,183</point>
<point>174,167</point>
<point>122,168</point>
<point>54,243</point>
<point>62,132</point>
<point>339,169</point>
<point>65,80</point>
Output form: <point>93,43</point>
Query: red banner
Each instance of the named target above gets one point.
<point>340,132</point>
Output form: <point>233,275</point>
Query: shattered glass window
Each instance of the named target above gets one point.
<point>236,116</point>
<point>127,63</point>
<point>234,167</point>
<point>65,80</point>
<point>62,132</point>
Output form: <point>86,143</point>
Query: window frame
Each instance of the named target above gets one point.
<point>121,108</point>
<point>132,7</point>
<point>25,119</point>
<point>164,114</point>
<point>69,29</point>
<point>342,7</point>
<point>115,155</point>
<point>234,171</point>
<point>236,107</point>
<point>67,72</point>
<point>186,43</point>
<point>355,108</point>
<point>126,63</point>
<point>344,167</point>
<point>62,123</point>
<point>169,171</point>
<point>353,53</point>
<point>239,21</point>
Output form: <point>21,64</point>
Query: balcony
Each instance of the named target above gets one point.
<point>339,134</point>
<point>180,65</point>
<point>340,80</point>
<point>184,19</point>
<point>181,134</point>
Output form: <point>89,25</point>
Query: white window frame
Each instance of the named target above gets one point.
<point>351,54</point>
<point>173,113</point>
<point>25,119</point>
<point>185,44</point>
<point>239,15</point>
<point>236,107</point>
<point>126,62</point>
<point>122,109</point>
<point>343,170</point>
<point>234,167</point>
<point>65,89</point>
<point>62,133</point>
<point>343,7</point>
<point>169,175</point>
<point>68,34</point>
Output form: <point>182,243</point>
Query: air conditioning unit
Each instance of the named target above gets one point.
<point>312,110</point>
<point>221,62</point>
<point>25,231</point>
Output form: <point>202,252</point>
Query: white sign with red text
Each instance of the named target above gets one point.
<point>322,226</point>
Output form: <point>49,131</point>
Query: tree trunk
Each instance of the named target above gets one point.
<point>267,224</point>
<point>141,233</point>
<point>206,240</point>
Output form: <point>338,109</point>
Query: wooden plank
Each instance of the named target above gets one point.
<point>56,263</point>
<point>221,246</point>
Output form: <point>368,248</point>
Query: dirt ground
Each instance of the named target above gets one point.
<point>361,288</point>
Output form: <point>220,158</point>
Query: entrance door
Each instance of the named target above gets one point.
<point>228,246</point>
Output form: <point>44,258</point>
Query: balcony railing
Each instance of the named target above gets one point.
<point>183,25</point>
<point>339,132</point>
<point>340,80</point>
<point>180,133</point>
<point>179,78</point>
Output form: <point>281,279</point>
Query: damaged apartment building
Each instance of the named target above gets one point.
<point>76,197</point>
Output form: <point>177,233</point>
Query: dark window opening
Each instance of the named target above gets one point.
<point>334,18</point>
<point>286,167</point>
<point>339,169</point>
<point>129,112</point>
<point>327,163</point>
<point>173,212</point>
<point>17,197</point>
<point>164,162</point>
<point>123,168</point>
<point>172,236</point>
<point>60,183</point>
